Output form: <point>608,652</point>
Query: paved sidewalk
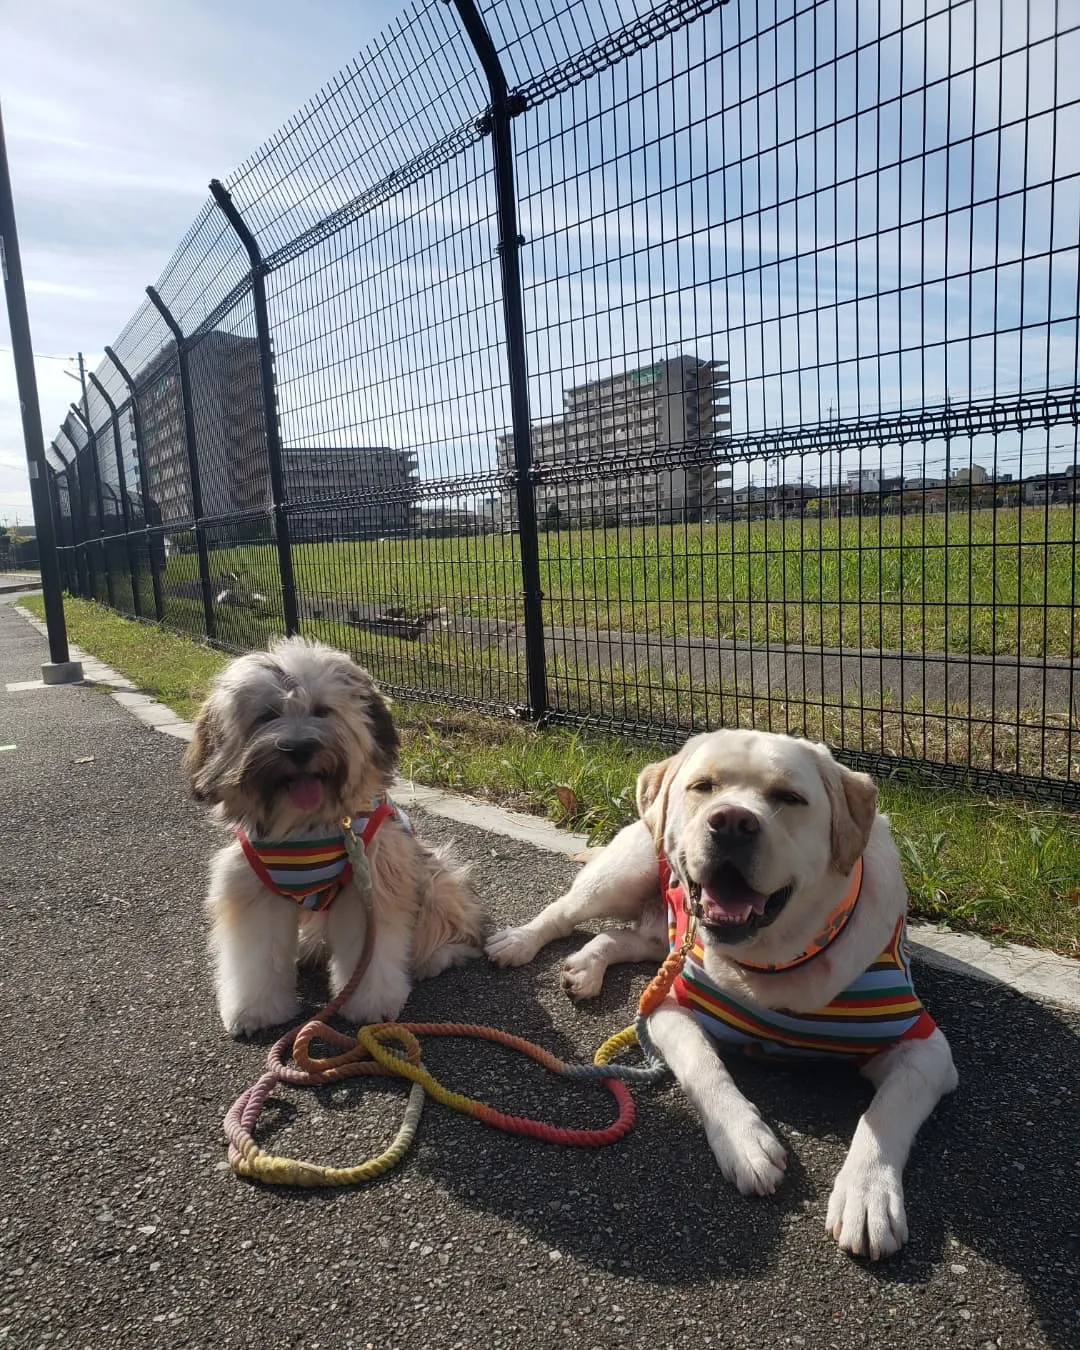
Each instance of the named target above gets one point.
<point>11,582</point>
<point>121,1228</point>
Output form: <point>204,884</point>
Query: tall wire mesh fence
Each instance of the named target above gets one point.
<point>647,366</point>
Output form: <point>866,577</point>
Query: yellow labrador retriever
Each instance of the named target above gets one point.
<point>781,856</point>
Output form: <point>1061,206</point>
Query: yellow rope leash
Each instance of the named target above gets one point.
<point>391,1049</point>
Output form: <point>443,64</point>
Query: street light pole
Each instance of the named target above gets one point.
<point>60,669</point>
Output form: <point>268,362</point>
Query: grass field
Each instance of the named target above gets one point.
<point>989,864</point>
<point>870,582</point>
<point>998,582</point>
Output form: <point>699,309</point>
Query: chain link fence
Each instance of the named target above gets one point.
<point>650,367</point>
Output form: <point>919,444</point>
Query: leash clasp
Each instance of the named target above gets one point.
<point>361,868</point>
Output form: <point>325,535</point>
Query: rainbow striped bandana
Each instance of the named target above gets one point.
<point>876,1011</point>
<point>311,870</point>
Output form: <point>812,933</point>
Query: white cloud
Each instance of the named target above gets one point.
<point>117,116</point>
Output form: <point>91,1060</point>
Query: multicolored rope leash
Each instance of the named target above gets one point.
<point>370,1053</point>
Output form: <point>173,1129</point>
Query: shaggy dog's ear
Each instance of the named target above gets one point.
<point>853,798</point>
<point>383,729</point>
<point>377,706</point>
<point>200,753</point>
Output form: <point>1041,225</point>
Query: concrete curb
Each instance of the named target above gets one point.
<point>1036,974</point>
<point>148,710</point>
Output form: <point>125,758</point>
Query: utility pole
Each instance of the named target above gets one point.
<point>60,669</point>
<point>82,386</point>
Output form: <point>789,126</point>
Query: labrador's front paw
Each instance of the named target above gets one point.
<point>866,1212</point>
<point>750,1155</point>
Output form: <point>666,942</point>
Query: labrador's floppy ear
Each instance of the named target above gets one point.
<point>653,784</point>
<point>853,798</point>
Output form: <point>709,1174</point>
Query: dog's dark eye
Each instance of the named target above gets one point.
<point>702,785</point>
<point>785,797</point>
<point>263,718</point>
<point>320,711</point>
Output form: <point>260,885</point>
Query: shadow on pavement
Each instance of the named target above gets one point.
<point>995,1166</point>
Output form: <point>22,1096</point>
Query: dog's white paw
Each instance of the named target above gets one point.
<point>749,1154</point>
<point>512,947</point>
<point>582,976</point>
<point>270,1011</point>
<point>378,999</point>
<point>866,1212</point>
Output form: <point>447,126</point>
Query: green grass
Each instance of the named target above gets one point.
<point>992,865</point>
<point>992,582</point>
<point>1022,740</point>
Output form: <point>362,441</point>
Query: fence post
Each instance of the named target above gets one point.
<point>144,481</point>
<point>121,479</point>
<point>498,121</point>
<point>52,477</point>
<point>95,479</point>
<point>84,563</point>
<point>192,459</point>
<point>64,571</point>
<point>270,418</point>
<point>65,537</point>
<point>71,557</point>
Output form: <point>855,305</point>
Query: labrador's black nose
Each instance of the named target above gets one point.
<point>734,823</point>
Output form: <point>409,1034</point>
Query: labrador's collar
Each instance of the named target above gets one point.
<point>834,925</point>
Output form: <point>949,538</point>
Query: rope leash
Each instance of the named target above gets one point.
<point>392,1049</point>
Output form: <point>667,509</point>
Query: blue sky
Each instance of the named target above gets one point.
<point>117,115</point>
<point>861,206</point>
<point>862,209</point>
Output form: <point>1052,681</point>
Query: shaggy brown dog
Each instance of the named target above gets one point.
<point>289,742</point>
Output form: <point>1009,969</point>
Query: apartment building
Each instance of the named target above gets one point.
<point>230,433</point>
<point>350,492</point>
<point>629,419</point>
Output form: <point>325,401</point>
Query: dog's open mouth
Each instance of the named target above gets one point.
<point>729,908</point>
<point>307,791</point>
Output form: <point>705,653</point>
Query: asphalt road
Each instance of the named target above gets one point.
<point>120,1225</point>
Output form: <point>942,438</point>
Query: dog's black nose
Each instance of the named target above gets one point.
<point>299,750</point>
<point>734,822</point>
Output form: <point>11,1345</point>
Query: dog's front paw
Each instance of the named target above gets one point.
<point>243,1019</point>
<point>378,1000</point>
<point>583,976</point>
<point>512,947</point>
<point>750,1155</point>
<point>866,1212</point>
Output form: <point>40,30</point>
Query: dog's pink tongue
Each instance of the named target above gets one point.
<point>732,906</point>
<point>306,792</point>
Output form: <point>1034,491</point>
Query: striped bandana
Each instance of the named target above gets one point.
<point>878,1009</point>
<point>311,871</point>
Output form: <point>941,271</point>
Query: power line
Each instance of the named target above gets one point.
<point>39,356</point>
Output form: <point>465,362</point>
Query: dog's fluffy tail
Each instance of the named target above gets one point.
<point>451,922</point>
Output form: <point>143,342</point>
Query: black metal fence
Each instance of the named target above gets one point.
<point>652,367</point>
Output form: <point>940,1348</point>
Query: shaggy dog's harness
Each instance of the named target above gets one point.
<point>312,871</point>
<point>876,1011</point>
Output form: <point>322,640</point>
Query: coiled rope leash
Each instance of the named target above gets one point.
<point>371,1052</point>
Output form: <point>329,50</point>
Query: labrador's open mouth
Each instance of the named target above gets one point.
<point>730,910</point>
